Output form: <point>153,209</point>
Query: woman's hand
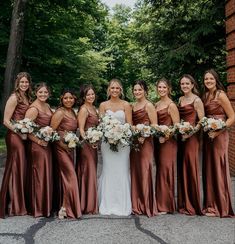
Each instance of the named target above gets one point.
<point>162,139</point>
<point>22,136</point>
<point>42,143</point>
<point>213,134</point>
<point>141,140</point>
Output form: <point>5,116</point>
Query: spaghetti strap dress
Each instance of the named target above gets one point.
<point>216,175</point>
<point>165,158</point>
<point>87,172</point>
<point>69,193</point>
<point>141,161</point>
<point>41,172</point>
<point>188,167</point>
<point>14,177</point>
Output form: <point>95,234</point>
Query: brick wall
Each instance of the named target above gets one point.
<point>230,47</point>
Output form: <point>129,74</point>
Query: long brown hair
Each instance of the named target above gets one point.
<point>28,93</point>
<point>219,85</point>
<point>193,81</point>
<point>83,92</point>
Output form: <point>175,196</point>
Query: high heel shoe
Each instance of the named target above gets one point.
<point>62,213</point>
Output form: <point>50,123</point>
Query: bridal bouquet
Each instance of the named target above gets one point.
<point>163,131</point>
<point>71,139</point>
<point>47,134</point>
<point>184,128</point>
<point>115,133</point>
<point>93,135</point>
<point>211,124</point>
<point>24,126</point>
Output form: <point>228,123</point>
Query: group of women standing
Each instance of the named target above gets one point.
<point>41,177</point>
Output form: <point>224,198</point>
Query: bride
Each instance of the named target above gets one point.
<point>114,182</point>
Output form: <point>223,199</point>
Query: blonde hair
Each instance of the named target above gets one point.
<point>167,83</point>
<point>119,84</point>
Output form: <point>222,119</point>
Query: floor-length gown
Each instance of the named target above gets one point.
<point>41,173</point>
<point>165,158</point>
<point>69,194</point>
<point>188,178</point>
<point>141,161</point>
<point>14,177</point>
<point>87,172</point>
<point>114,183</point>
<point>216,175</point>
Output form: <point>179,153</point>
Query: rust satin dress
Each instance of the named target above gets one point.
<point>165,158</point>
<point>142,195</point>
<point>15,171</point>
<point>216,175</point>
<point>87,172</point>
<point>69,194</point>
<point>41,173</point>
<point>188,178</point>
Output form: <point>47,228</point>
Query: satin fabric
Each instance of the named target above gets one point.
<point>41,183</point>
<point>87,172</point>
<point>142,195</point>
<point>216,175</point>
<point>165,158</point>
<point>14,177</point>
<point>69,193</point>
<point>188,167</point>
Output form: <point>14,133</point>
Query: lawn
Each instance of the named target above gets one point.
<point>2,145</point>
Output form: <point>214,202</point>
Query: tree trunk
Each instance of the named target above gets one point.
<point>14,52</point>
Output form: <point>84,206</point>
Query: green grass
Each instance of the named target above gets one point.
<point>2,146</point>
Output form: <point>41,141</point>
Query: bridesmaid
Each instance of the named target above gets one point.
<point>165,150</point>
<point>142,196</point>
<point>87,160</point>
<point>40,156</point>
<point>64,119</point>
<point>12,195</point>
<point>216,176</point>
<point>191,110</point>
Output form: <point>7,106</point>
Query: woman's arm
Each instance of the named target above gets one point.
<point>102,108</point>
<point>225,103</point>
<point>55,122</point>
<point>32,114</point>
<point>152,114</point>
<point>82,117</point>
<point>9,110</point>
<point>174,113</point>
<point>128,112</point>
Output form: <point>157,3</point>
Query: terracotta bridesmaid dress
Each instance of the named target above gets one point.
<point>69,194</point>
<point>41,173</point>
<point>87,172</point>
<point>15,171</point>
<point>188,167</point>
<point>165,158</point>
<point>216,175</point>
<point>142,195</point>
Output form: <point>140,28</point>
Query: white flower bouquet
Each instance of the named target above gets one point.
<point>93,135</point>
<point>47,134</point>
<point>212,124</point>
<point>71,139</point>
<point>184,128</point>
<point>24,126</point>
<point>115,133</point>
<point>142,130</point>
<point>163,131</point>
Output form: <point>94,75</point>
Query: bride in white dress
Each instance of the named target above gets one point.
<point>114,189</point>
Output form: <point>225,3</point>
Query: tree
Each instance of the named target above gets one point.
<point>14,52</point>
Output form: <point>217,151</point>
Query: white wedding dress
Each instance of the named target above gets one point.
<point>114,183</point>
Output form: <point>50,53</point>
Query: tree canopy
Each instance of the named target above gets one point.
<point>72,42</point>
